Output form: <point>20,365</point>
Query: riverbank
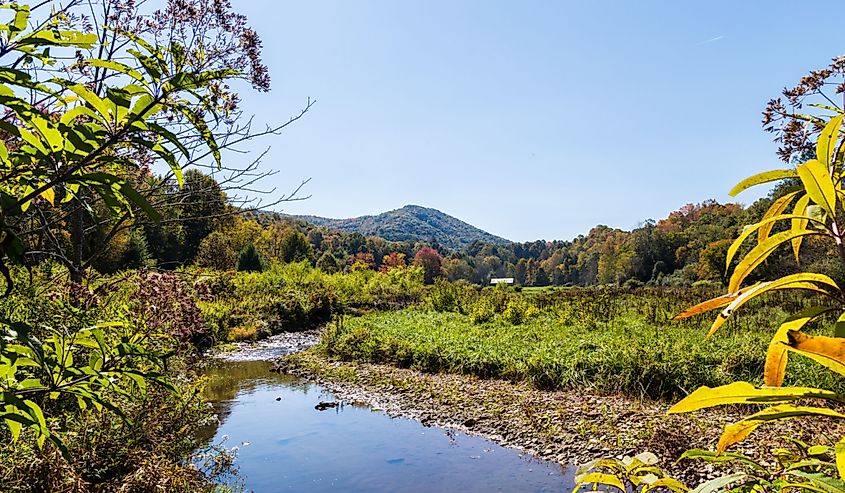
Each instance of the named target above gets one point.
<point>569,427</point>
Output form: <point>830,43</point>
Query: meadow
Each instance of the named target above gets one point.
<point>606,340</point>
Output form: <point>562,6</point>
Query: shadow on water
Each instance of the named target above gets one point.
<point>285,444</point>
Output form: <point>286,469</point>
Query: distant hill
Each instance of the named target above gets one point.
<point>412,223</point>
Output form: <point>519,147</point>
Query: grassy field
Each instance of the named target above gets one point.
<point>608,342</point>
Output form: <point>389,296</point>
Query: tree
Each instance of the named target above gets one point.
<point>394,260</point>
<point>217,252</point>
<point>202,205</point>
<point>431,262</point>
<point>328,263</point>
<point>131,87</point>
<point>295,247</point>
<point>85,116</point>
<point>249,260</point>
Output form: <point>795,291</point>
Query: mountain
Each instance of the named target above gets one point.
<point>413,223</point>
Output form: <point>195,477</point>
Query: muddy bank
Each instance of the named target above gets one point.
<point>570,427</point>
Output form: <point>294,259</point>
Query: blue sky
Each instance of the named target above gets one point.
<point>527,119</point>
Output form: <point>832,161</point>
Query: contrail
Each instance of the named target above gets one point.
<point>711,40</point>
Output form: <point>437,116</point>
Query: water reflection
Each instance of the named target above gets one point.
<point>284,444</point>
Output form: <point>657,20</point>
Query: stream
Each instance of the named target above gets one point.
<point>283,443</point>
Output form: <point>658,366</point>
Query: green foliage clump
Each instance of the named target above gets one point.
<point>518,311</point>
<point>297,296</point>
<point>249,260</point>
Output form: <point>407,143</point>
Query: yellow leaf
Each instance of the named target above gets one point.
<point>795,281</point>
<point>818,183</point>
<point>777,208</point>
<point>597,478</point>
<point>799,224</point>
<point>49,195</point>
<point>764,177</point>
<point>766,223</point>
<point>777,355</point>
<point>826,145</point>
<point>829,351</point>
<point>740,430</point>
<point>840,457</point>
<point>669,483</point>
<point>745,393</point>
<point>759,253</point>
<point>709,305</point>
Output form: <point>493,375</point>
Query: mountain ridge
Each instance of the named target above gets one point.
<point>410,223</point>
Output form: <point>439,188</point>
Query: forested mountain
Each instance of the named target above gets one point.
<point>412,223</point>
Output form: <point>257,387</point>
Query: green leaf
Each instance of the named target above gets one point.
<point>819,185</point>
<point>117,67</point>
<point>723,458</point>
<point>760,178</point>
<point>204,131</point>
<point>92,99</point>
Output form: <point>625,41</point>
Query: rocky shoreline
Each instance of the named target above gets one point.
<point>568,427</point>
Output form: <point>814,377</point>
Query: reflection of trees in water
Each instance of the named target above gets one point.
<point>228,379</point>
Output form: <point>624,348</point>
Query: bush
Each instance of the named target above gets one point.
<point>518,311</point>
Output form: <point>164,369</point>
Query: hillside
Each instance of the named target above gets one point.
<point>411,223</point>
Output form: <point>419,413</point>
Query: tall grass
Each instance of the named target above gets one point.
<point>604,340</point>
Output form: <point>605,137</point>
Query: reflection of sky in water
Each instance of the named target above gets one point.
<point>287,445</point>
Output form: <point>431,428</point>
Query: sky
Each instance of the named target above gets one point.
<point>530,120</point>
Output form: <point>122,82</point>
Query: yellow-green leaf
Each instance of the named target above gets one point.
<point>668,483</point>
<point>759,253</point>
<point>840,457</point>
<point>765,223</point>
<point>596,478</point>
<point>826,144</point>
<point>745,393</point>
<point>760,178</point>
<point>777,208</point>
<point>739,431</point>
<point>818,183</point>
<point>799,223</point>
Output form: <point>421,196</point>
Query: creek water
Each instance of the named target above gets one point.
<point>285,444</point>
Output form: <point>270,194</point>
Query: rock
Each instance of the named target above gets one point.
<point>322,406</point>
<point>469,423</point>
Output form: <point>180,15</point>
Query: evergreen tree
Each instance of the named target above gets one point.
<point>250,260</point>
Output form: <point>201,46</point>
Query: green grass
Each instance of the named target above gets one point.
<point>622,343</point>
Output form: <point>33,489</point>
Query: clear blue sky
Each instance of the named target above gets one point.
<point>528,119</point>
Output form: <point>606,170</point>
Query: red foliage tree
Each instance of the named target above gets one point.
<point>431,262</point>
